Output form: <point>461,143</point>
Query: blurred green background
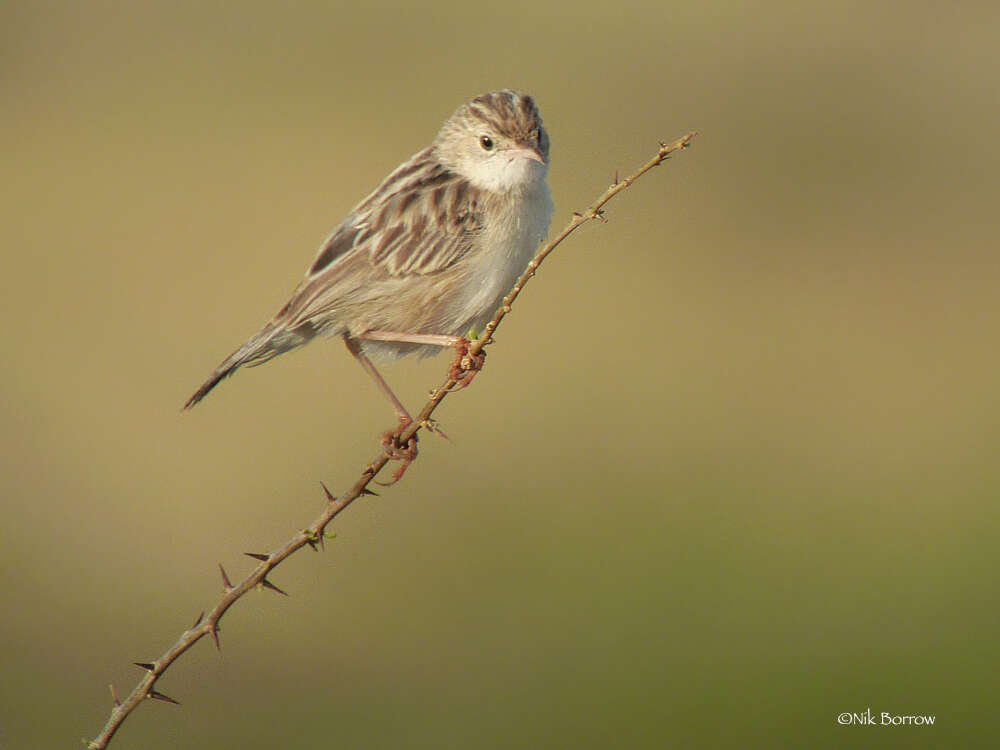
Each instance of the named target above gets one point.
<point>731,469</point>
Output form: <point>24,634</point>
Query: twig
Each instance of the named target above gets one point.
<point>314,535</point>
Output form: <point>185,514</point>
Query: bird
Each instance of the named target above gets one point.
<point>427,257</point>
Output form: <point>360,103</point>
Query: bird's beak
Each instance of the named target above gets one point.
<point>528,152</point>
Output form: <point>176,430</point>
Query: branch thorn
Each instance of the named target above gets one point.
<point>268,585</point>
<point>155,695</point>
<point>329,496</point>
<point>114,694</point>
<point>215,637</point>
<point>258,556</point>
<point>198,621</point>
<point>226,583</point>
<point>145,665</point>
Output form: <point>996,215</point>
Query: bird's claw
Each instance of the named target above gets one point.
<point>465,366</point>
<point>395,450</point>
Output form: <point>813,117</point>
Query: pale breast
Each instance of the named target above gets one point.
<point>508,244</point>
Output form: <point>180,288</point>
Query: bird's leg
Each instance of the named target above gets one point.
<point>463,369</point>
<point>391,444</point>
<point>355,348</point>
<point>428,339</point>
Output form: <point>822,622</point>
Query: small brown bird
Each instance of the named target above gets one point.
<point>430,254</point>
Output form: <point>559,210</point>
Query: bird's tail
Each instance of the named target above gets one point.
<point>266,344</point>
<point>224,370</point>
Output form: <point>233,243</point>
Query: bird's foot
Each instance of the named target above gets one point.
<point>396,450</point>
<point>466,365</point>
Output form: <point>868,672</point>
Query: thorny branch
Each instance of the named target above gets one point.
<point>207,623</point>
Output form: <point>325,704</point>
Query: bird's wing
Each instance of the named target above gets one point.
<point>420,221</point>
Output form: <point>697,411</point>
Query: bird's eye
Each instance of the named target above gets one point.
<point>486,142</point>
